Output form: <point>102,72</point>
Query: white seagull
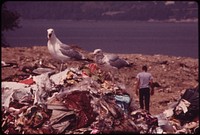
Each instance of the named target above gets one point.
<point>60,51</point>
<point>109,59</point>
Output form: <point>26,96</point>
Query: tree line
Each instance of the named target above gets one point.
<point>12,12</point>
<point>9,21</point>
<point>105,10</point>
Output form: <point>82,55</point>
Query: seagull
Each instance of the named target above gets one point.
<point>110,63</point>
<point>61,51</point>
<point>109,59</point>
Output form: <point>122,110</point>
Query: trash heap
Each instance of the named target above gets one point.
<point>182,116</point>
<point>82,100</point>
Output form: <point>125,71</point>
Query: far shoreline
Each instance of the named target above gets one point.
<point>195,20</point>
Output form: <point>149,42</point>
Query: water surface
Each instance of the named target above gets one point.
<point>177,39</point>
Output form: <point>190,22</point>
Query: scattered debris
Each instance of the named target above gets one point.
<point>10,64</point>
<point>87,100</point>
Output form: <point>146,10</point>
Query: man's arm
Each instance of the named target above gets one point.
<point>137,86</point>
<point>152,87</point>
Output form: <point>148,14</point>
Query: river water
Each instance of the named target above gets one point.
<point>176,39</point>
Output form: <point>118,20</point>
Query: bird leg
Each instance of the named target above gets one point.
<point>61,65</point>
<point>112,75</point>
<point>115,74</point>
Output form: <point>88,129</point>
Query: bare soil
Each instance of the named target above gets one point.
<point>174,74</point>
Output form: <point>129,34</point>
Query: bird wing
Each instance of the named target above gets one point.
<point>111,57</point>
<point>64,46</point>
<point>68,51</point>
<point>119,63</point>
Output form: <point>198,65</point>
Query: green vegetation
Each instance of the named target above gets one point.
<point>12,11</point>
<point>9,21</point>
<point>106,10</point>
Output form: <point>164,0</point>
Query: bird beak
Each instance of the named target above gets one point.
<point>91,53</point>
<point>94,54</point>
<point>50,35</point>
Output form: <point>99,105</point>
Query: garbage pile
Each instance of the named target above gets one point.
<point>182,116</point>
<point>83,100</point>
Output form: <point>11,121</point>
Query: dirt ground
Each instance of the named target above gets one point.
<point>174,74</point>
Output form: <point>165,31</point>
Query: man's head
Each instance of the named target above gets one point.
<point>144,68</point>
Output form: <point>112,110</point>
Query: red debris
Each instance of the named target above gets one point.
<point>29,81</point>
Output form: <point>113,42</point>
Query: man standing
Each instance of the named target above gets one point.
<point>144,81</point>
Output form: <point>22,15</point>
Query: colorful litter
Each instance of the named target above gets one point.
<point>86,100</point>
